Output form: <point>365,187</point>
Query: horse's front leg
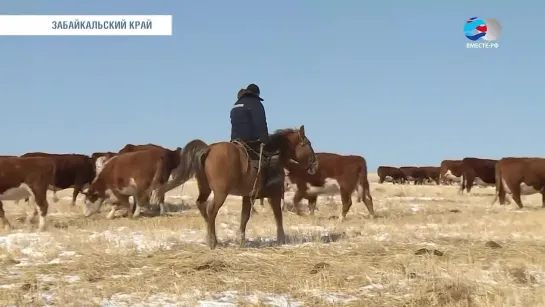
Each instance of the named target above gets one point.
<point>244,218</point>
<point>276,205</point>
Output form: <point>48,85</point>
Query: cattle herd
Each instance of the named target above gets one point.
<point>138,170</point>
<point>510,175</point>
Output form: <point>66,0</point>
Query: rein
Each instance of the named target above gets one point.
<point>303,141</point>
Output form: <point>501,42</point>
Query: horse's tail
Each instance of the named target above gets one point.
<point>191,163</point>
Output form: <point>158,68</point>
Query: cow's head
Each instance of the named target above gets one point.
<point>93,201</point>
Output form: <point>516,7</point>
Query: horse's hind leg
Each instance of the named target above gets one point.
<point>212,211</point>
<point>204,193</point>
<point>244,218</point>
<point>276,205</point>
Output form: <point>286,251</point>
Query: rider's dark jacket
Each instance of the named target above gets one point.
<point>248,120</point>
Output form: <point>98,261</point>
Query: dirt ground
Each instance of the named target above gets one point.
<point>428,247</point>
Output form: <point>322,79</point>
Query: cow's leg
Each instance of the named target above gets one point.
<point>77,190</point>
<point>163,209</point>
<point>122,200</point>
<point>346,199</point>
<point>312,200</point>
<point>462,185</point>
<point>253,210</point>
<point>31,202</point>
<point>470,179</point>
<point>40,197</point>
<point>297,201</point>
<point>500,192</point>
<point>141,199</point>
<point>542,198</point>
<point>31,214</point>
<point>55,197</point>
<point>366,197</point>
<point>3,219</point>
<point>515,193</point>
<point>285,206</point>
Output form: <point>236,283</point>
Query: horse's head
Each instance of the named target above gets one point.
<point>294,146</point>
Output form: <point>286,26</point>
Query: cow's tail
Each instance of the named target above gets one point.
<point>51,182</point>
<point>191,164</point>
<point>462,183</point>
<point>500,189</point>
<point>364,191</point>
<point>160,172</point>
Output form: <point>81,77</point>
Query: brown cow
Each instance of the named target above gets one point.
<point>395,174</point>
<point>476,170</point>
<point>451,171</point>
<point>421,174</point>
<point>96,155</point>
<point>414,173</point>
<point>172,160</point>
<point>336,173</point>
<point>123,179</point>
<point>26,177</point>
<point>172,156</point>
<point>71,170</point>
<point>519,176</point>
<point>431,173</point>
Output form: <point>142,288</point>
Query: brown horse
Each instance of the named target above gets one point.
<point>225,168</point>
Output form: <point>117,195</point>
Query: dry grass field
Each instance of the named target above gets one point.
<point>428,247</point>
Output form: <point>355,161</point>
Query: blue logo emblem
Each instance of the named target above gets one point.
<point>477,29</point>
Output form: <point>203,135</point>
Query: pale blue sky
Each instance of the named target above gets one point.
<point>389,80</point>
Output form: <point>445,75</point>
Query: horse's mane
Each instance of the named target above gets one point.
<point>278,137</point>
<point>282,132</point>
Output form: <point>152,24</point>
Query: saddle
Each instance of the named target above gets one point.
<point>270,170</point>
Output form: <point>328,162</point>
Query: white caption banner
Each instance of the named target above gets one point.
<point>85,25</point>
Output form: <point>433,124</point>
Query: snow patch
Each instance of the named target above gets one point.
<point>32,248</point>
<point>332,298</point>
<point>427,198</point>
<point>223,299</point>
<point>141,241</point>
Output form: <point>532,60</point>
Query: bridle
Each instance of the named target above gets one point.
<point>304,141</point>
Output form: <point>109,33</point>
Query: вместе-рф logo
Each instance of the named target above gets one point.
<point>483,33</point>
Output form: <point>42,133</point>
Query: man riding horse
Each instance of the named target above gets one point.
<point>229,168</point>
<point>249,127</point>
